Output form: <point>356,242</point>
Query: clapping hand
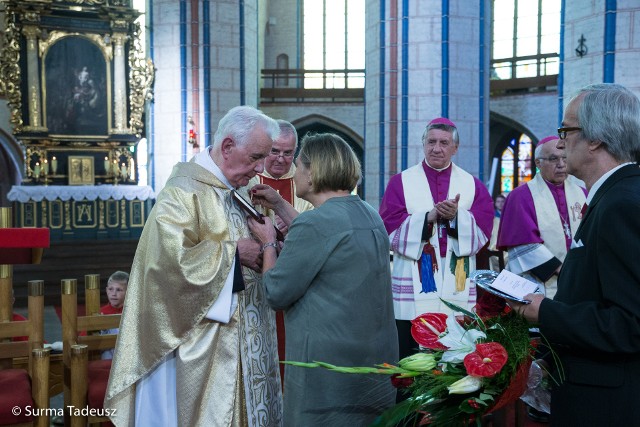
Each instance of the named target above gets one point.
<point>448,209</point>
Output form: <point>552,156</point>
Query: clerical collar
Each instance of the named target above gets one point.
<point>602,179</point>
<point>204,159</point>
<point>436,169</point>
<point>555,185</point>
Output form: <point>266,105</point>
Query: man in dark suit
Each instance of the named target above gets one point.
<point>593,323</point>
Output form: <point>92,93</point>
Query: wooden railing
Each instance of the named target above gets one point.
<point>299,85</point>
<point>528,83</point>
<point>544,79</point>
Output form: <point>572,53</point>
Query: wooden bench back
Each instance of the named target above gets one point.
<point>33,328</point>
<point>77,348</point>
<point>38,366</point>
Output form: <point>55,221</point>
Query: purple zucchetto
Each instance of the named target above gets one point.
<point>547,139</point>
<point>442,121</point>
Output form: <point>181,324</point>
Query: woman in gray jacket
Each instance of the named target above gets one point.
<point>332,279</point>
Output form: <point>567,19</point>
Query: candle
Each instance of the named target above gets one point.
<point>46,167</point>
<point>123,171</point>
<point>106,165</point>
<point>54,164</point>
<point>36,170</point>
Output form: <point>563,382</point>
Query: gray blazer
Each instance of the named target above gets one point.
<point>333,280</point>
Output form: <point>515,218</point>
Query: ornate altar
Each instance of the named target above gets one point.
<point>83,212</point>
<point>76,81</point>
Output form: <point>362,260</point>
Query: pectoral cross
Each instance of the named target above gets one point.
<point>567,230</point>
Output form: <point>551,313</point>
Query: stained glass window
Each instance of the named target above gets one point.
<point>515,162</point>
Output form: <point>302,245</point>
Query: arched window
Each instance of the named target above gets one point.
<point>334,40</point>
<point>515,164</point>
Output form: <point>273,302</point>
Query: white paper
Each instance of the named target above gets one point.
<point>514,285</point>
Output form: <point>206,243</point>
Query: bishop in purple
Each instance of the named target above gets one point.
<point>540,218</point>
<point>438,217</point>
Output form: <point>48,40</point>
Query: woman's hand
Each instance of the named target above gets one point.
<point>282,226</point>
<point>266,196</point>
<point>263,195</point>
<point>265,233</point>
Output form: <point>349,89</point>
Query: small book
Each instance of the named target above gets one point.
<point>246,206</point>
<point>513,285</point>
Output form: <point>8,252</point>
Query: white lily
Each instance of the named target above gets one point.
<point>460,341</point>
<point>465,385</point>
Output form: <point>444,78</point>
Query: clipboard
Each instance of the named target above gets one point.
<point>247,207</point>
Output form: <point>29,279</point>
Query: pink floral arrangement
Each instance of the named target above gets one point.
<point>466,366</point>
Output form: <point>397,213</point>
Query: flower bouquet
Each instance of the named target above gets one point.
<point>466,367</point>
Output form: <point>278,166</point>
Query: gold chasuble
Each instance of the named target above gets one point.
<point>226,373</point>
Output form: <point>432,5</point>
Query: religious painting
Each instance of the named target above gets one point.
<point>76,88</point>
<point>81,171</point>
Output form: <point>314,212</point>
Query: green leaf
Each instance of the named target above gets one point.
<point>464,311</point>
<point>484,397</point>
<point>300,364</point>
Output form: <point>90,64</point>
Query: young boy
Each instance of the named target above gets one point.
<point>116,290</point>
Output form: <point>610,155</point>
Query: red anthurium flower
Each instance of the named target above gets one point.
<point>427,328</point>
<point>487,360</point>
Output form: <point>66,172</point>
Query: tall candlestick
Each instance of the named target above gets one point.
<point>54,165</point>
<point>46,166</point>
<point>106,165</point>
<point>36,170</point>
<point>123,171</point>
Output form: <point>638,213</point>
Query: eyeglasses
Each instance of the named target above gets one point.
<point>284,154</point>
<point>554,159</point>
<point>562,132</point>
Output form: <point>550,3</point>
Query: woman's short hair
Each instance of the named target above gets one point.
<point>333,164</point>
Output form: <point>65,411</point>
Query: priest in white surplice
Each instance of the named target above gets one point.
<point>438,217</point>
<point>197,343</point>
<point>539,219</point>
